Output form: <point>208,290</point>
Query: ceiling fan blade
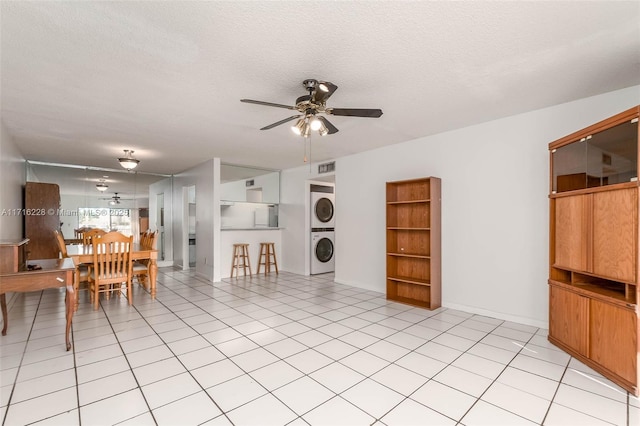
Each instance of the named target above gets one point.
<point>277,123</point>
<point>355,112</point>
<point>251,101</point>
<point>330,127</point>
<point>321,95</point>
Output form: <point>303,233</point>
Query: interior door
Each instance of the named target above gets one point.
<point>160,224</point>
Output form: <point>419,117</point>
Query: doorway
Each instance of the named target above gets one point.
<point>160,224</point>
<point>189,254</point>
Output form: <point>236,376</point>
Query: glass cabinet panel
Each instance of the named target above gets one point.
<point>569,166</point>
<point>604,158</point>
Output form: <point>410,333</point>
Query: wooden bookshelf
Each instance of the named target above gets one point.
<point>413,242</point>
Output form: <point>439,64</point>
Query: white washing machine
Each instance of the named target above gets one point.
<point>322,210</point>
<point>323,257</point>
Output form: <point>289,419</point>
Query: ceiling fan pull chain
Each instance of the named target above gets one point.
<point>309,139</point>
<point>304,148</point>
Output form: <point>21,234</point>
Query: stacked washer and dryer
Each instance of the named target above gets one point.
<point>323,258</point>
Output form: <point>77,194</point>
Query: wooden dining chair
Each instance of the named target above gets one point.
<point>79,233</point>
<point>88,235</point>
<point>61,244</point>
<point>82,271</point>
<point>141,267</point>
<point>151,241</point>
<point>112,266</point>
<point>144,237</point>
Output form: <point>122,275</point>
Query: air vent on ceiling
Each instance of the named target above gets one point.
<point>327,167</point>
<point>249,182</point>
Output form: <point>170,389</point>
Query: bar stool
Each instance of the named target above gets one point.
<point>267,257</point>
<point>240,259</point>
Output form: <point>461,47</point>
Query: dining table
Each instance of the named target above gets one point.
<point>83,254</point>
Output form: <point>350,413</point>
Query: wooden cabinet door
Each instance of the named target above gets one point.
<point>568,318</point>
<point>613,339</point>
<point>42,200</point>
<point>571,236</point>
<point>615,234</point>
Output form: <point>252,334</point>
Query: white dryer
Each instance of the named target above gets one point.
<point>323,257</point>
<point>322,210</point>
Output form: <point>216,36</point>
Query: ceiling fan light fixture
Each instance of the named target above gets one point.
<point>316,124</point>
<point>311,109</point>
<point>306,129</point>
<point>128,162</point>
<point>323,130</point>
<point>298,128</point>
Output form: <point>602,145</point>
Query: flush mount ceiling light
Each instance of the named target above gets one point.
<point>128,162</point>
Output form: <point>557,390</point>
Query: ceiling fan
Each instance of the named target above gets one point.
<point>116,199</point>
<point>310,107</point>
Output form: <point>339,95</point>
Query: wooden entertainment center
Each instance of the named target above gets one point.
<point>593,254</point>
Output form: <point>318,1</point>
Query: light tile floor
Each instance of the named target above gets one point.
<point>288,349</point>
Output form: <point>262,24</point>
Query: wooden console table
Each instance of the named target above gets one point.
<point>54,273</point>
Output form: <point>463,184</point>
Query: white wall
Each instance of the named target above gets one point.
<point>243,215</point>
<point>495,225</point>
<point>207,201</point>
<point>12,180</point>
<point>237,190</point>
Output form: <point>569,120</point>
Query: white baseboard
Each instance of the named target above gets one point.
<point>499,315</point>
<point>357,284</point>
<point>470,309</point>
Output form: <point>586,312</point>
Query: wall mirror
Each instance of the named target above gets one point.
<point>249,184</point>
<point>122,204</point>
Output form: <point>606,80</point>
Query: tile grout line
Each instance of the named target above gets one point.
<point>293,293</point>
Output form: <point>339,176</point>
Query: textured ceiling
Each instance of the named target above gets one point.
<point>81,81</point>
